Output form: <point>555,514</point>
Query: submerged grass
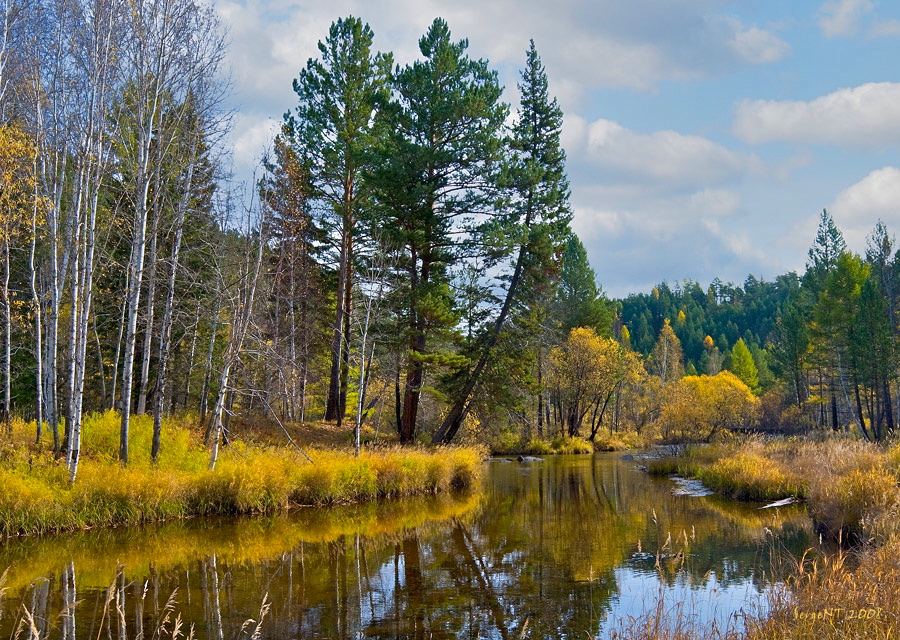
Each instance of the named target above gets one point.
<point>37,497</point>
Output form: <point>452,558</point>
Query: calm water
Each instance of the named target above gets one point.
<point>560,548</point>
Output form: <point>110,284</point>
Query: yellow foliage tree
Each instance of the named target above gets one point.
<point>17,181</point>
<point>666,360</point>
<point>698,407</point>
<point>585,374</point>
<point>20,206</point>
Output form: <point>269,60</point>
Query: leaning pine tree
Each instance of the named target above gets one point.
<point>535,215</point>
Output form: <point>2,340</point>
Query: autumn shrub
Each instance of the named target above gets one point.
<point>696,408</point>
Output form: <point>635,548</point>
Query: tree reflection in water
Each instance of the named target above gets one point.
<point>545,550</point>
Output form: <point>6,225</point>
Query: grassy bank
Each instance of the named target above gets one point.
<point>851,487</point>
<point>37,497</point>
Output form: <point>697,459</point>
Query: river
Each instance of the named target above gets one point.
<point>559,548</point>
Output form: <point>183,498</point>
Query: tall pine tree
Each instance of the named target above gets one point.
<point>332,130</point>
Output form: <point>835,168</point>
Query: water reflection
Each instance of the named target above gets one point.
<point>551,549</point>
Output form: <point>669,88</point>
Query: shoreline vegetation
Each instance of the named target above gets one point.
<point>852,494</point>
<point>850,486</point>
<point>568,445</point>
<point>250,478</point>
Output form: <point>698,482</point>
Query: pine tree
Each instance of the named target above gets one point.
<point>333,132</point>
<point>435,170</point>
<point>536,215</point>
<point>743,367</point>
<point>581,302</point>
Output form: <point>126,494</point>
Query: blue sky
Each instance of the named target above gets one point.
<point>703,136</point>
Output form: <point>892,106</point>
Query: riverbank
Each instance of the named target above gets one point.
<point>850,486</point>
<point>248,478</point>
<point>566,445</point>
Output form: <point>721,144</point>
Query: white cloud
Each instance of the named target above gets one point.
<point>584,44</point>
<point>859,206</point>
<point>841,17</point>
<point>633,238</point>
<point>866,115</point>
<point>664,159</point>
<point>755,45</point>
<point>251,138</point>
<point>889,27</point>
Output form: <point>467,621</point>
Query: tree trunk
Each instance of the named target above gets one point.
<point>165,332</point>
<point>151,302</point>
<point>460,409</point>
<point>332,404</point>
<point>38,323</point>
<point>7,340</point>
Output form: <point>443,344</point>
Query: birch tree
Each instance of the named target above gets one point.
<point>168,50</point>
<point>241,314</point>
<point>101,41</point>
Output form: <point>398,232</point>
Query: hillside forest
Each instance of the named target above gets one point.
<point>401,263</point>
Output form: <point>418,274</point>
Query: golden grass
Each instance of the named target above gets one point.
<point>751,476</point>
<point>566,444</point>
<point>621,441</point>
<point>829,599</point>
<point>37,497</point>
<point>837,597</point>
<point>559,445</point>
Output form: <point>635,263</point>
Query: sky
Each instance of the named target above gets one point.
<point>703,137</point>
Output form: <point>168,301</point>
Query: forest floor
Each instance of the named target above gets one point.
<point>309,434</point>
<point>851,490</point>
